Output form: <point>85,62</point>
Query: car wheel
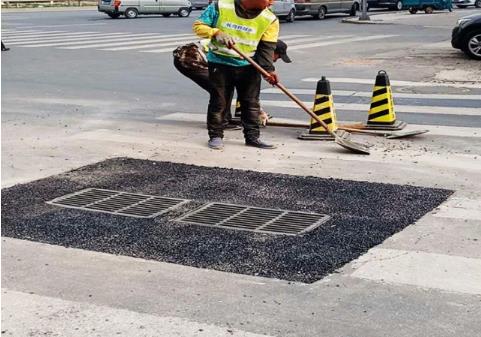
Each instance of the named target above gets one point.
<point>321,14</point>
<point>428,10</point>
<point>291,16</point>
<point>477,4</point>
<point>472,45</point>
<point>184,12</point>
<point>131,13</point>
<point>354,9</point>
<point>399,5</point>
<point>114,15</point>
<point>413,10</point>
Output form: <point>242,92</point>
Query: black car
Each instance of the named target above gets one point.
<point>391,4</point>
<point>467,35</point>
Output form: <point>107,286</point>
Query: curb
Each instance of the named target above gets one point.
<point>370,22</point>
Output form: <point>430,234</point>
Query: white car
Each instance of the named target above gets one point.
<point>466,3</point>
<point>284,9</point>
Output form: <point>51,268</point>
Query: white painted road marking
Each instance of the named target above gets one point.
<point>340,41</point>
<point>460,208</point>
<point>426,270</point>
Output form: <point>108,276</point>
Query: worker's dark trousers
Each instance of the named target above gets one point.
<point>201,77</point>
<point>247,81</point>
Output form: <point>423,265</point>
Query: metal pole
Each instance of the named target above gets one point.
<point>364,16</point>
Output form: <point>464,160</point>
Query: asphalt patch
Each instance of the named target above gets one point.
<point>362,216</point>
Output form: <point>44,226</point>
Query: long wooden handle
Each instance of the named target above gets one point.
<point>284,90</point>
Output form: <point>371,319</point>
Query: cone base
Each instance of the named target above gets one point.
<point>398,125</point>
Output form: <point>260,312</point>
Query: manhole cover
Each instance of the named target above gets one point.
<point>120,203</point>
<point>254,219</point>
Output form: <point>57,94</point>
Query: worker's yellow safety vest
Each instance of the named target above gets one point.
<point>246,32</point>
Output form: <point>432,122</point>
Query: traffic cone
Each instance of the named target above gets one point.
<point>324,109</point>
<point>238,111</point>
<point>381,115</point>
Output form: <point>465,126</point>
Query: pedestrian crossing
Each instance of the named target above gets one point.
<point>150,42</point>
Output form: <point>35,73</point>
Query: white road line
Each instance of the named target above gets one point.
<point>369,94</point>
<point>23,31</point>
<point>435,130</point>
<point>289,37</point>
<point>55,38</point>
<point>396,83</point>
<point>460,208</point>
<point>426,270</point>
<point>150,45</point>
<point>340,41</point>
<point>74,40</point>
<point>319,38</point>
<point>107,39</point>
<point>398,108</point>
<point>32,34</point>
<point>73,24</point>
<point>101,45</point>
<point>49,36</point>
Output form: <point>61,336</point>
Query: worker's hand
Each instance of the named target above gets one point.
<point>273,79</point>
<point>225,39</point>
<point>263,117</point>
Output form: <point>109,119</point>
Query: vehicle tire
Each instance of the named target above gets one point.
<point>114,15</point>
<point>428,10</point>
<point>461,6</point>
<point>166,15</point>
<point>477,4</point>
<point>472,44</point>
<point>354,9</point>
<point>184,12</point>
<point>413,10</point>
<point>321,14</point>
<point>131,13</point>
<point>291,17</point>
<point>399,5</point>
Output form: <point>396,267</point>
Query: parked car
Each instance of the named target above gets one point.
<point>319,8</point>
<point>466,3</point>
<point>391,4</point>
<point>284,9</point>
<point>200,4</point>
<point>467,35</point>
<point>132,8</point>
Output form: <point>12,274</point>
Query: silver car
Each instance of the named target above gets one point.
<point>132,8</point>
<point>284,9</point>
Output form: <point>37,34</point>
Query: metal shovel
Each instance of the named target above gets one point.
<point>351,146</point>
<point>386,134</point>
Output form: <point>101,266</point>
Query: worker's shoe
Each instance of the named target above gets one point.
<point>259,144</point>
<point>216,143</point>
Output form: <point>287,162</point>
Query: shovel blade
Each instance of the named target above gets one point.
<point>406,134</point>
<point>352,146</point>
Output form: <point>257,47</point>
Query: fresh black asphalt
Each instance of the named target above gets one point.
<point>363,215</point>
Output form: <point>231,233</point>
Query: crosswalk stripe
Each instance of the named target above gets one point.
<point>369,94</point>
<point>340,41</point>
<point>107,39</point>
<point>129,42</point>
<point>426,270</point>
<point>395,82</point>
<point>434,130</point>
<point>53,37</point>
<point>399,108</point>
<point>460,208</point>
<point>151,45</point>
<point>319,38</point>
<point>65,39</point>
<point>290,37</point>
<point>32,34</point>
<point>22,31</point>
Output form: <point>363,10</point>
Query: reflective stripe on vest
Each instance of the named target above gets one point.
<point>246,32</point>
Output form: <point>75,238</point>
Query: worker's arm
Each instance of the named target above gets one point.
<point>266,47</point>
<point>203,27</point>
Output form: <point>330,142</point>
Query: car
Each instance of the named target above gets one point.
<point>284,9</point>
<point>391,4</point>
<point>466,3</point>
<point>466,35</point>
<point>200,4</point>
<point>132,8</point>
<point>319,8</point>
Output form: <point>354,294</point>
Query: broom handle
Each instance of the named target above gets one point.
<point>284,90</point>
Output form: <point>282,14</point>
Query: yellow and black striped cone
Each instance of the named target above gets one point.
<point>381,113</point>
<point>324,109</point>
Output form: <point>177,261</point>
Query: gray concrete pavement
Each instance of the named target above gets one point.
<point>65,108</point>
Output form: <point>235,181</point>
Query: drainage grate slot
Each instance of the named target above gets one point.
<point>116,202</point>
<point>255,219</point>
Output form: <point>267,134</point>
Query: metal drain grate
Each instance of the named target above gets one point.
<point>115,202</point>
<point>254,219</point>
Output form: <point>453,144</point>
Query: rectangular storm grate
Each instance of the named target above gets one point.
<point>120,203</point>
<point>254,219</point>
